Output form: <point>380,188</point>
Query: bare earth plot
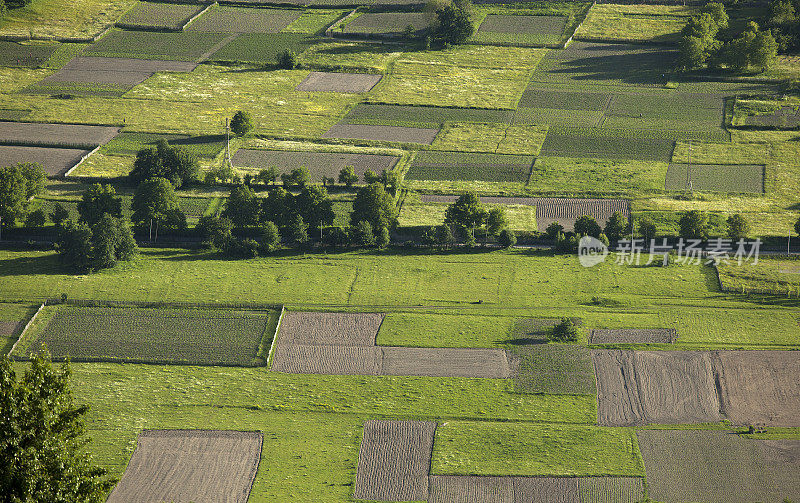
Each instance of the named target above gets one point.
<point>716,177</point>
<point>445,362</point>
<point>610,489</point>
<point>190,465</point>
<point>122,73</point>
<point>383,133</point>
<point>664,387</point>
<point>481,489</point>
<point>760,387</point>
<point>339,82</point>
<point>394,460</point>
<point>471,489</point>
<point>633,336</point>
<point>327,360</point>
<point>30,133</point>
<point>8,328</point>
<point>719,467</point>
<point>55,161</point>
<point>786,117</point>
<point>333,329</point>
<point>319,164</point>
<point>227,19</point>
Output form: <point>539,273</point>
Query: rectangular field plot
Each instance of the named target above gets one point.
<point>565,143</point>
<point>383,133</point>
<point>319,164</point>
<point>470,489</point>
<point>664,387</point>
<point>190,465</point>
<point>610,489</point>
<point>719,466</point>
<point>183,46</point>
<point>394,460</point>
<point>445,362</point>
<point>151,15</point>
<point>538,97</point>
<point>485,489</point>
<point>28,55</point>
<point>566,211</point>
<point>199,337</point>
<point>656,23</point>
<point>521,30</point>
<point>260,47</point>
<point>330,329</point>
<point>61,135</point>
<point>122,73</point>
<point>400,115</point>
<point>129,143</point>
<point>382,23</point>
<point>327,360</point>
<point>226,19</point>
<point>759,387</point>
<point>553,368</point>
<point>470,166</point>
<point>339,82</point>
<point>740,178</point>
<point>55,161</point>
<point>633,336</point>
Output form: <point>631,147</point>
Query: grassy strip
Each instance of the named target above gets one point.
<point>634,23</point>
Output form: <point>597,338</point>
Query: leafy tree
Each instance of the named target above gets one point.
<point>335,237</point>
<point>453,24</point>
<point>587,226</point>
<point>15,4</point>
<point>647,229</point>
<point>176,164</point>
<point>112,240</point>
<point>797,226</point>
<point>565,331</point>
<point>429,237</point>
<point>507,238</point>
<point>43,438</point>
<point>243,206</point>
<point>222,175</point>
<point>409,33</point>
<point>155,201</point>
<point>382,237</point>
<point>694,225</point>
<point>738,228</point>
<point>299,177</point>
<point>763,51</point>
<point>553,230</point>
<point>782,12</point>
<point>496,221</point>
<point>296,231</point>
<point>74,245</point>
<point>2,9</point>
<point>370,177</point>
<point>36,218</point>
<point>444,236</point>
<point>390,181</point>
<point>616,227</point>
<point>347,176</point>
<point>35,178</point>
<point>243,248</point>
<point>373,204</point>
<point>362,234</point>
<point>59,214</point>
<point>314,205</point>
<point>278,207</point>
<point>287,60</point>
<point>267,176</point>
<point>692,52</point>
<point>467,211</point>
<point>603,239</point>
<point>97,201</point>
<point>270,237</point>
<point>717,12</point>
<point>216,232</point>
<point>241,123</point>
<point>13,195</point>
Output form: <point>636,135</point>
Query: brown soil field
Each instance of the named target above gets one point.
<point>394,460</point>
<point>319,164</point>
<point>190,465</point>
<point>633,336</point>
<point>610,489</point>
<point>120,72</point>
<point>327,360</point>
<point>664,387</point>
<point>445,362</point>
<point>123,80</point>
<point>55,134</point>
<point>335,329</point>
<point>479,489</point>
<point>471,489</point>
<point>8,328</point>
<point>55,161</point>
<point>382,133</point>
<point>339,82</point>
<point>759,387</point>
<point>228,19</point>
<point>719,466</point>
<point>550,489</point>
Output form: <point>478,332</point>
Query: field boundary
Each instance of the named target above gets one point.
<point>70,170</point>
<point>191,19</point>
<point>71,40</point>
<point>163,304</point>
<point>275,338</point>
<point>27,325</point>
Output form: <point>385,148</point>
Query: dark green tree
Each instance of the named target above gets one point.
<point>444,236</point>
<point>347,176</point>
<point>36,218</point>
<point>243,207</point>
<point>35,178</point>
<point>43,438</point>
<point>647,229</point>
<point>270,237</point>
<point>587,226</point>
<point>565,331</point>
<point>74,246</point>
<point>314,205</point>
<point>278,207</point>
<point>296,231</point>
<point>298,177</point>
<point>176,164</point>
<point>717,12</point>
<point>112,240</point>
<point>241,123</point>
<point>217,232</point>
<point>553,230</point>
<point>453,24</point>
<point>694,225</point>
<point>371,177</point>
<point>156,203</point>
<point>98,200</point>
<point>268,175</point>
<point>467,211</point>
<point>382,237</point>
<point>336,237</point>
<point>287,60</point>
<point>507,238</point>
<point>59,214</point>
<point>616,227</point>
<point>13,196</point>
<point>738,228</point>
<point>362,234</point>
<point>496,220</point>
<point>373,204</point>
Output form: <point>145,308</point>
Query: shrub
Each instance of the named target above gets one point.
<point>694,225</point>
<point>347,176</point>
<point>496,221</point>
<point>215,231</point>
<point>738,228</point>
<point>222,175</point>
<point>587,226</point>
<point>287,60</point>
<point>617,227</point>
<point>335,237</point>
<point>382,237</point>
<point>647,229</point>
<point>409,33</point>
<point>36,218</point>
<point>241,124</point>
<point>59,214</point>
<point>565,331</point>
<point>270,237</point>
<point>444,236</point>
<point>361,234</point>
<point>507,238</point>
<point>554,230</point>
<point>296,231</point>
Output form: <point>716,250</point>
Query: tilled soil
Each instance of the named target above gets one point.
<point>633,336</point>
<point>664,387</point>
<point>55,134</point>
<point>480,489</point>
<point>471,489</point>
<point>611,489</point>
<point>719,466</point>
<point>190,465</point>
<point>445,362</point>
<point>328,360</point>
<point>394,460</point>
<point>382,133</point>
<point>119,72</point>
<point>339,82</point>
<point>8,328</point>
<point>336,329</point>
<point>55,161</point>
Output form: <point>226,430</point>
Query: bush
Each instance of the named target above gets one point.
<point>222,175</point>
<point>738,228</point>
<point>617,227</point>
<point>361,234</point>
<point>287,60</point>
<point>270,237</point>
<point>347,176</point>
<point>36,218</point>
<point>694,225</point>
<point>507,238</point>
<point>177,165</point>
<point>241,124</point>
<point>335,237</point>
<point>587,226</point>
<point>554,230</point>
<point>215,231</point>
<point>382,237</point>
<point>444,236</point>
<point>59,214</point>
<point>565,331</point>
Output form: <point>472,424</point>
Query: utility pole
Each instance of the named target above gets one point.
<point>689,166</point>
<point>788,243</point>
<point>228,142</point>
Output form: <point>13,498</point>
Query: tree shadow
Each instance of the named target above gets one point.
<point>609,62</point>
<point>29,266</point>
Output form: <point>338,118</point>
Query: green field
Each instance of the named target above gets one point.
<point>183,46</point>
<point>30,55</point>
<point>262,48</point>
<point>128,143</point>
<point>634,23</point>
<point>155,15</point>
<point>460,166</point>
<point>55,18</point>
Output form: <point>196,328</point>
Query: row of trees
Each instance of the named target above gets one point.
<point>700,46</point>
<point>784,22</point>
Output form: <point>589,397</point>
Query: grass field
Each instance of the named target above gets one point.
<point>780,277</point>
<point>488,448</point>
<point>262,48</point>
<point>520,217</point>
<point>30,55</point>
<point>314,21</point>
<point>128,143</point>
<point>465,167</point>
<point>155,15</point>
<point>716,178</point>
<point>587,176</point>
<point>633,23</point>
<point>53,18</point>
<point>493,138</point>
<point>184,46</point>
<point>227,19</point>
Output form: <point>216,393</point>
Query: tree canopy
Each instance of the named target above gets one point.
<point>176,164</point>
<point>155,200</point>
<point>467,211</point>
<point>18,184</point>
<point>97,201</point>
<point>374,205</point>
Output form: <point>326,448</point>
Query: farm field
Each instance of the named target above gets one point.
<point>55,161</point>
<point>634,23</point>
<point>521,30</point>
<point>319,164</point>
<point>225,19</point>
<point>150,15</point>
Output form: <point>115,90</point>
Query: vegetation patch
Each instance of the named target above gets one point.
<point>151,335</point>
<point>538,97</point>
<point>382,23</point>
<point>319,164</point>
<point>521,30</point>
<point>129,143</point>
<point>339,82</point>
<point>166,16</point>
<point>470,166</point>
<point>592,143</point>
<point>56,19</point>
<point>633,336</point>
<point>182,46</point>
<point>55,161</point>
<point>553,368</point>
<point>566,211</point>
<point>27,55</point>
<point>399,115</point>
<point>228,19</point>
<point>634,23</point>
<point>261,48</point>
<point>397,134</point>
<point>741,178</point>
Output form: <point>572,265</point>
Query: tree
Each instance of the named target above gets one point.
<point>35,178</point>
<point>496,220</point>
<point>59,214</point>
<point>507,238</point>
<point>267,176</point>
<point>347,176</point>
<point>241,123</point>
<point>738,228</point>
<point>298,177</point>
<point>565,331</point>
<point>97,201</point>
<point>112,240</point>
<point>314,205</point>
<point>243,206</point>
<point>370,177</point>
<point>553,230</point>
<point>74,245</point>
<point>287,60</point>
<point>155,202</point>
<point>587,226</point>
<point>797,226</point>
<point>221,175</point>
<point>444,236</point>
<point>453,24</point>
<point>382,237</point>
<point>717,12</point>
<point>216,232</point>
<point>467,211</point>
<point>270,237</point>
<point>176,164</point>
<point>278,207</point>
<point>13,195</point>
<point>2,9</point>
<point>362,234</point>
<point>42,438</point>
<point>296,231</point>
<point>373,204</point>
<point>763,51</point>
<point>335,237</point>
<point>36,218</point>
<point>616,227</point>
<point>694,225</point>
<point>691,52</point>
<point>647,229</point>
<point>782,12</point>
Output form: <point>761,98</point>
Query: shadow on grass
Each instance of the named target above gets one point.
<point>27,266</point>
